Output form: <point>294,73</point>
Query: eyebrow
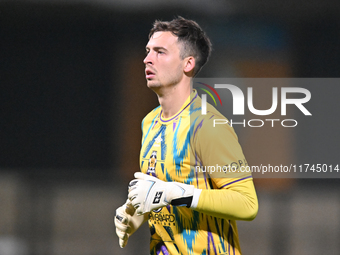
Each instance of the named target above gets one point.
<point>156,48</point>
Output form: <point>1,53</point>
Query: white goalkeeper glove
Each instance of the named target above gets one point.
<point>127,222</point>
<point>148,193</point>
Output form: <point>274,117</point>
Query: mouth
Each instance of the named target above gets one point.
<point>149,74</point>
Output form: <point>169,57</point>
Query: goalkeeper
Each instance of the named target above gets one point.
<point>188,211</point>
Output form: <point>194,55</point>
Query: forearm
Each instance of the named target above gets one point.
<point>238,202</point>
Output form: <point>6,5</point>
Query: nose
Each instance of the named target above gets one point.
<point>148,59</point>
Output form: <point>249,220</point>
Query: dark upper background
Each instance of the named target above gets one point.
<point>63,72</point>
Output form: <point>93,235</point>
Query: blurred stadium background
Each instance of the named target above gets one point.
<point>73,95</point>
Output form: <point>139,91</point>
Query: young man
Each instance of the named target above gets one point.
<point>189,211</point>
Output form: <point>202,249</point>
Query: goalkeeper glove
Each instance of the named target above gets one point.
<point>148,193</point>
<point>127,222</point>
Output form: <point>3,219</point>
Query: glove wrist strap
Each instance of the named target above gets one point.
<point>190,202</point>
<point>183,201</point>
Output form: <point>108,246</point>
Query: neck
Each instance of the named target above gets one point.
<point>173,98</point>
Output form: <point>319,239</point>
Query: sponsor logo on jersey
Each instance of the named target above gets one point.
<point>163,219</point>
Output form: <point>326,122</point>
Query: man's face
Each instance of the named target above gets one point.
<point>163,64</point>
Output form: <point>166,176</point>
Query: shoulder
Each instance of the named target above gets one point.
<point>151,117</point>
<point>212,124</point>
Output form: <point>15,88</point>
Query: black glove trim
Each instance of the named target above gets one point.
<point>183,201</point>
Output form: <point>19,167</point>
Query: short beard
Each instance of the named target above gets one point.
<point>157,86</point>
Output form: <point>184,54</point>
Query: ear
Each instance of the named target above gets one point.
<point>189,64</point>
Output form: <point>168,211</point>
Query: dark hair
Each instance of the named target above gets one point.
<point>193,39</point>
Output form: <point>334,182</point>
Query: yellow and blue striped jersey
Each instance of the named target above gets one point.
<point>172,150</point>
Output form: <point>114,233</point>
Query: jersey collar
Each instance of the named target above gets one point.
<point>184,108</point>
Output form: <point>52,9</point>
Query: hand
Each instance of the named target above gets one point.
<point>148,193</point>
<point>127,222</point>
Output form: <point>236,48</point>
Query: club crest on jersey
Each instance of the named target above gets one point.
<point>152,163</point>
